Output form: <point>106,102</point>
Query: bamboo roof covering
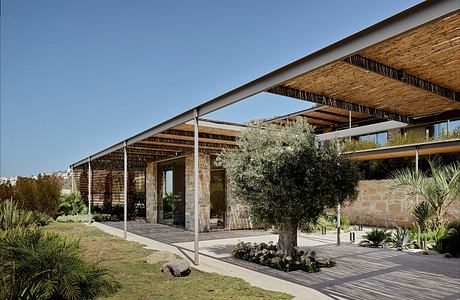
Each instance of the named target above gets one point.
<point>324,117</point>
<point>214,136</point>
<point>414,74</point>
<point>405,68</point>
<point>427,148</point>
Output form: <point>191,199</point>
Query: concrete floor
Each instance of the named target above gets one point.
<point>361,273</point>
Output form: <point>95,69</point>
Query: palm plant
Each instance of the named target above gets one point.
<point>35,264</point>
<point>377,237</point>
<point>439,190</point>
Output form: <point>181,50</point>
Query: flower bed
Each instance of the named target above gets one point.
<point>268,255</point>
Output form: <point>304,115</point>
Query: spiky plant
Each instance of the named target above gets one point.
<point>35,264</point>
<point>423,214</point>
<point>11,216</point>
<point>378,237</point>
<point>400,238</point>
<point>439,190</point>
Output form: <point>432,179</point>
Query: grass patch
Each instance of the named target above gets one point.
<point>143,281</point>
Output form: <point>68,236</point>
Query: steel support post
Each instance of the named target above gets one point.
<point>125,192</point>
<point>72,178</point>
<point>196,188</point>
<point>90,194</point>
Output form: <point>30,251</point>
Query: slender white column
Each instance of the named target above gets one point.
<point>349,119</point>
<point>338,224</point>
<point>90,194</point>
<point>125,193</point>
<point>196,191</point>
<point>72,179</point>
<point>416,170</point>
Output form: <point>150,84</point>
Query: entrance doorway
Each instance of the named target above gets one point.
<point>171,209</point>
<point>218,204</point>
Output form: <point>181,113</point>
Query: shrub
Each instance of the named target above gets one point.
<point>377,237</point>
<point>80,218</point>
<point>268,255</point>
<point>329,221</point>
<point>400,239</point>
<point>408,138</point>
<point>436,236</point>
<point>351,145</point>
<point>41,194</point>
<point>6,190</point>
<point>72,204</point>
<point>41,265</point>
<point>11,216</point>
<point>450,243</point>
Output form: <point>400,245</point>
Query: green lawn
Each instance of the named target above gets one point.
<point>143,281</point>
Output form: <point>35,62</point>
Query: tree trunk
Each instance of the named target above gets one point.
<point>287,236</point>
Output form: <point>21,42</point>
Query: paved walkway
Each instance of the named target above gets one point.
<point>361,273</point>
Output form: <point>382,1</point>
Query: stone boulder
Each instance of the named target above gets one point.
<point>177,268</point>
<point>159,256</point>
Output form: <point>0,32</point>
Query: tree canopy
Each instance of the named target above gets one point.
<point>284,175</point>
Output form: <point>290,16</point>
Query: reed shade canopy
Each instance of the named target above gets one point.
<point>214,136</point>
<point>326,118</point>
<point>413,75</point>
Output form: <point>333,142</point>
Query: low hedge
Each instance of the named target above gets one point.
<point>268,255</point>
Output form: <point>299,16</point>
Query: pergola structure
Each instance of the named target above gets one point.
<point>404,69</point>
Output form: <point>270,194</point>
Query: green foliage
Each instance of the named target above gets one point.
<point>40,265</point>
<point>6,190</point>
<point>72,204</point>
<point>11,216</point>
<point>450,243</point>
<point>377,237</point>
<point>400,238</point>
<point>41,194</point>
<point>351,145</point>
<point>80,218</point>
<point>423,213</point>
<point>283,177</point>
<point>405,139</point>
<point>167,206</point>
<point>268,255</point>
<point>115,212</point>
<point>439,190</point>
<point>436,237</point>
<point>328,220</point>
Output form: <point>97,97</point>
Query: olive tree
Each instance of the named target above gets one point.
<point>286,178</point>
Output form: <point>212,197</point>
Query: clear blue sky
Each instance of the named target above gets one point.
<point>78,76</point>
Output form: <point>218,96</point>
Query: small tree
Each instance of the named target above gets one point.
<point>286,179</point>
<point>439,190</point>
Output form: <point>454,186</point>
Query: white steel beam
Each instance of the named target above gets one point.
<point>196,189</point>
<point>125,192</point>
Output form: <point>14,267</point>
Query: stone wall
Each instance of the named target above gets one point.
<point>237,214</point>
<point>151,192</point>
<point>204,167</point>
<point>376,207</point>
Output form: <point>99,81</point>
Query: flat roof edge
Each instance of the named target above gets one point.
<point>400,148</point>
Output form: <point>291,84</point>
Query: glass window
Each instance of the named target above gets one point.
<point>440,129</point>
<point>379,138</point>
<point>454,125</point>
<point>382,138</point>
